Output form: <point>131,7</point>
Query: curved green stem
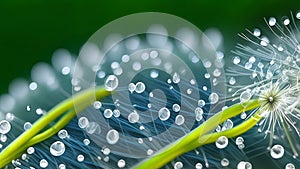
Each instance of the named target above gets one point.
<point>183,145</point>
<point>85,98</point>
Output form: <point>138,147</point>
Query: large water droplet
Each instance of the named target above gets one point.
<point>222,142</point>
<point>111,83</point>
<point>112,136</point>
<point>277,151</point>
<point>164,114</point>
<point>4,127</point>
<point>57,148</point>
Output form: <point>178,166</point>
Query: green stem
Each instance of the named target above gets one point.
<point>85,98</point>
<point>182,145</point>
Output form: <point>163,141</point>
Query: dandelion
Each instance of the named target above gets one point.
<point>271,64</point>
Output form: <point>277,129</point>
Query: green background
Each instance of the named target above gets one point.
<point>30,31</point>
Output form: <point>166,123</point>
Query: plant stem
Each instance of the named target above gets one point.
<point>79,101</point>
<point>183,145</point>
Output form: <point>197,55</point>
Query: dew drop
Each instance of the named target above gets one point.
<point>131,87</point>
<point>232,81</point>
<point>245,96</point>
<point>97,104</point>
<point>213,98</point>
<point>224,162</point>
<point>201,103</point>
<point>83,122</point>
<point>27,126</point>
<point>106,151</point>
<point>57,148</point>
<point>164,114</point>
<point>256,32</point>
<point>290,166</point>
<point>176,78</point>
<point>179,120</point>
<point>112,136</point>
<point>107,113</point>
<point>149,152</point>
<point>111,83</point>
<point>43,163</point>
<point>30,150</point>
<point>198,166</point>
<point>277,151</point>
<point>176,108</point>
<point>178,165</point>
<point>239,140</point>
<point>121,163</point>
<point>62,166</point>
<point>3,138</point>
<point>62,134</point>
<point>133,117</point>
<point>222,142</point>
<point>80,158</point>
<point>154,74</point>
<point>86,142</point>
<point>236,60</point>
<point>228,124</point>
<point>272,21</point>
<point>4,126</point>
<point>117,113</point>
<point>140,87</point>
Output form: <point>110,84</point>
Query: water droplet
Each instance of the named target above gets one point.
<point>224,162</point>
<point>27,126</point>
<point>236,60</point>
<point>62,134</point>
<point>277,151</point>
<point>57,148</point>
<point>149,152</point>
<point>217,73</point>
<point>198,166</point>
<point>245,96</point>
<point>3,138</point>
<point>154,74</point>
<point>125,58</point>
<point>256,32</point>
<point>121,163</point>
<point>86,142</point>
<point>272,21</point>
<point>222,142</point>
<point>164,114</point>
<point>239,140</point>
<point>106,151</point>
<point>43,163</point>
<point>153,54</point>
<point>80,158</point>
<point>4,126</point>
<point>290,166</point>
<point>244,165</point>
<point>62,166</point>
<point>176,78</point>
<point>83,122</point>
<point>112,136</point>
<point>97,104</point>
<point>111,83</point>
<point>179,120</point>
<point>140,87</point>
<point>176,108</point>
<point>201,103</point>
<point>107,113</point>
<point>131,87</point>
<point>136,66</point>
<point>30,150</point>
<point>228,124</point>
<point>243,115</point>
<point>8,117</point>
<point>178,165</point>
<point>133,117</point>
<point>232,81</point>
<point>117,113</point>
<point>213,98</point>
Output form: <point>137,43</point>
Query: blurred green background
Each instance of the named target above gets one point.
<point>30,31</point>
